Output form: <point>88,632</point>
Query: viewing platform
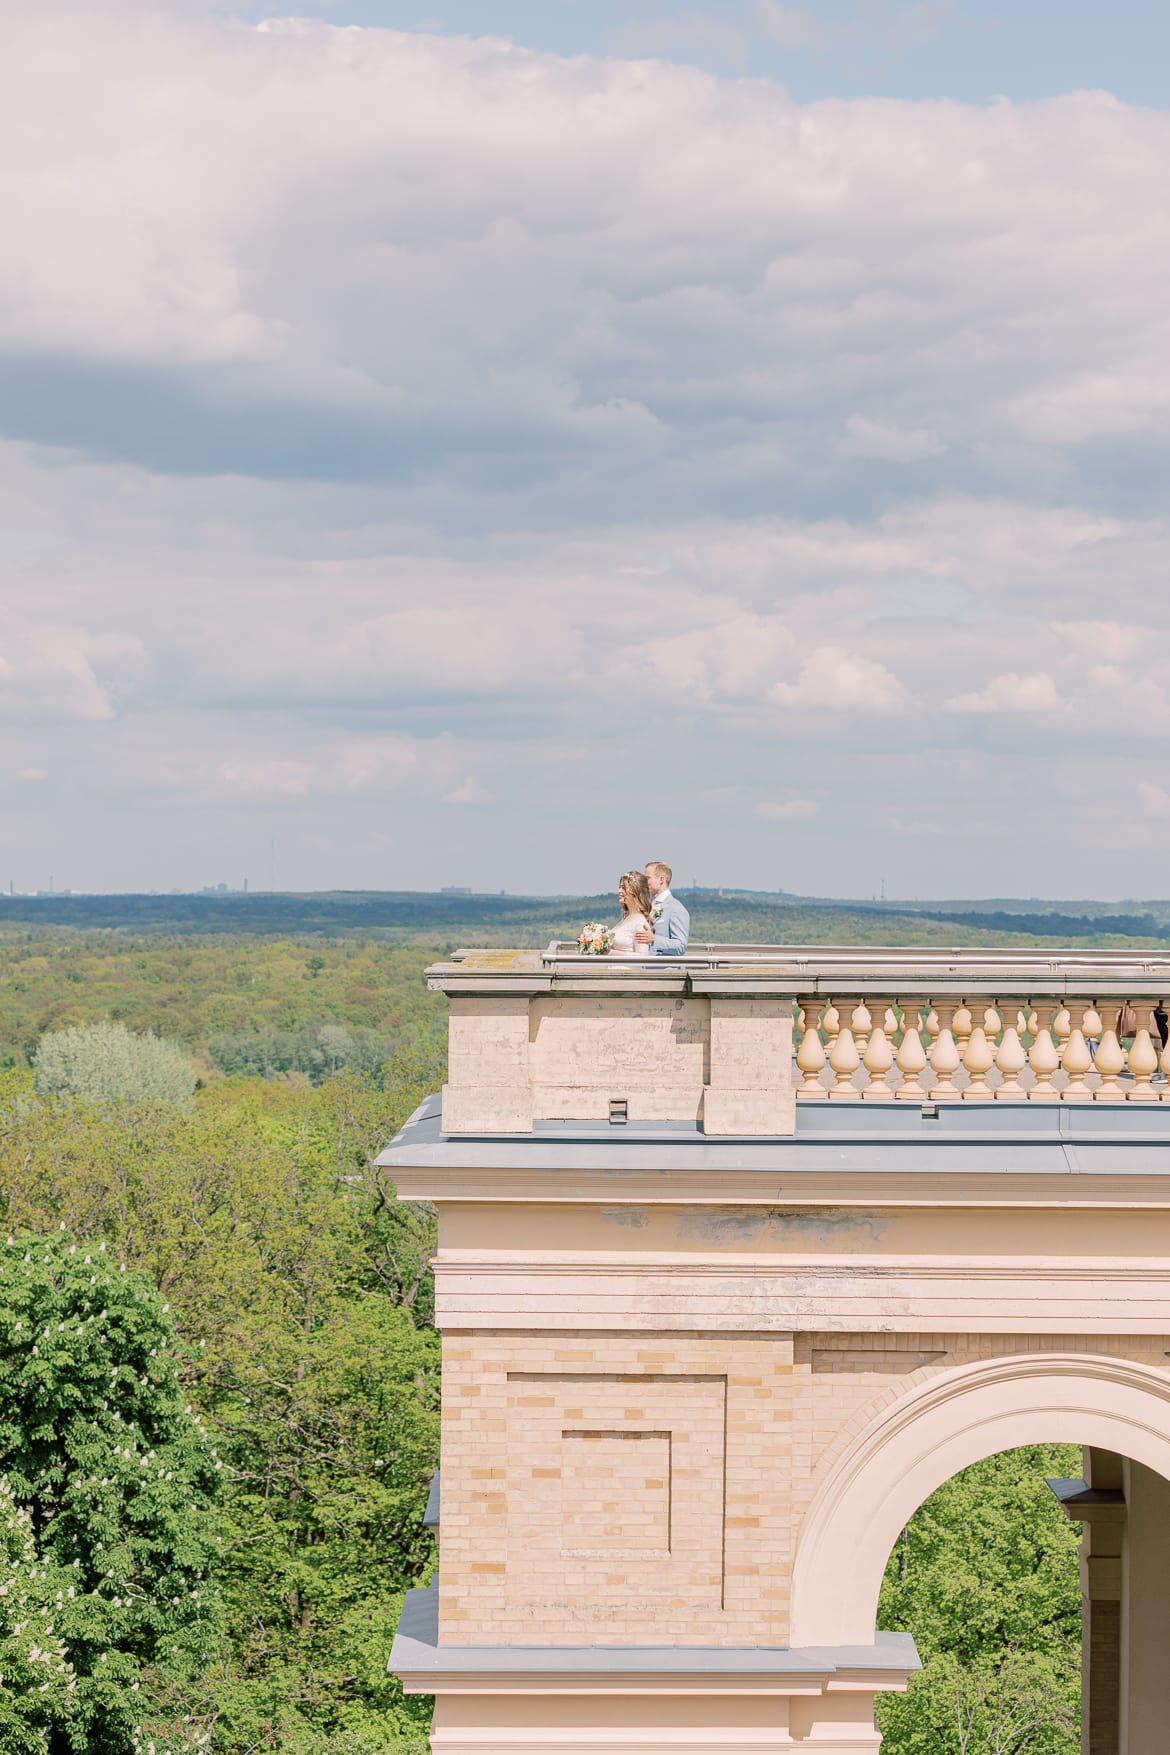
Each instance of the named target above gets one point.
<point>741,1255</point>
<point>733,1038</point>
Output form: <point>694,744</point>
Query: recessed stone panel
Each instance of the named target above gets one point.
<point>615,1493</point>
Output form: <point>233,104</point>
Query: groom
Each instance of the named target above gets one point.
<point>671,931</point>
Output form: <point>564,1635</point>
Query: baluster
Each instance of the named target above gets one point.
<point>1061,1030</point>
<point>1075,1054</point>
<point>1043,1057</point>
<point>979,1058</point>
<point>1011,1058</point>
<point>879,1053</point>
<point>860,1022</point>
<point>962,1028</point>
<point>831,1025</point>
<point>911,1056</point>
<point>844,1058</point>
<point>944,1057</point>
<point>1143,1061</point>
<point>810,1056</point>
<point>1109,1061</point>
<point>1164,1064</point>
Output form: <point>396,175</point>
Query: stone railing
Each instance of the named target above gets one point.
<point>943,1048</point>
<point>734,1036</point>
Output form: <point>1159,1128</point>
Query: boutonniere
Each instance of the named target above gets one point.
<point>656,911</point>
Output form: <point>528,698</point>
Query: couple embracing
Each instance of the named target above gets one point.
<point>654,923</point>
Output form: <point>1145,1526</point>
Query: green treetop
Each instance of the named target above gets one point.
<point>112,1479</point>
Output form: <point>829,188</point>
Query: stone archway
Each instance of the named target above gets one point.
<point>917,1442</point>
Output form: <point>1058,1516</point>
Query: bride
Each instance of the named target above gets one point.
<point>634,895</point>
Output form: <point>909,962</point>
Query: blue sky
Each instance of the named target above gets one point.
<point>499,460</point>
<point>974,51</point>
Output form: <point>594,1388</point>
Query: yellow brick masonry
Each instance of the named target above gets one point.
<point>518,1558</point>
<point>648,1488</point>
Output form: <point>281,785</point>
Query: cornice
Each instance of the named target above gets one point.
<point>847,1295</point>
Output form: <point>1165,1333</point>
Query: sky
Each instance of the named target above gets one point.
<point>500,445</point>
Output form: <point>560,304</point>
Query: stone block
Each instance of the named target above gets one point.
<point>749,1112</point>
<point>487,1109</point>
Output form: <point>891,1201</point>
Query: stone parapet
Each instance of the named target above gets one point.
<point>709,1038</point>
<point>602,1040</point>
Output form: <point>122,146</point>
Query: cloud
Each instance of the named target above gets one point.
<point>1010,693</point>
<point>724,661</point>
<point>1155,800</point>
<point>263,779</point>
<point>388,420</point>
<point>344,765</point>
<point>887,443</point>
<point>494,278</point>
<point>469,791</point>
<point>1108,642</point>
<point>832,679</point>
<point>791,810</point>
<point>54,671</point>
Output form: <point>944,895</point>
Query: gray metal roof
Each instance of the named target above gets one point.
<point>417,1652</point>
<point>1056,1139</point>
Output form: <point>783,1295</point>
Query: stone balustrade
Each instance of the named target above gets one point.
<point>947,1048</point>
<point>735,1036</point>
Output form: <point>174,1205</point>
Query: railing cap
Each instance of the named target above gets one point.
<point>958,972</point>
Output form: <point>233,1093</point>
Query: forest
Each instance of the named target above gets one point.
<point>221,1377</point>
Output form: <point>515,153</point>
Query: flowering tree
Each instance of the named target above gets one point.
<point>36,1677</point>
<point>107,1063</point>
<point>110,1480</point>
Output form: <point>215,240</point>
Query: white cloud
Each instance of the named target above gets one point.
<point>290,779</point>
<point>337,765</point>
<point>469,791</point>
<point>396,419</point>
<point>1155,800</point>
<point>351,251</point>
<point>1104,642</point>
<point>832,679</point>
<point>1010,693</point>
<point>888,443</point>
<point>53,671</point>
<point>789,810</point>
<point>727,661</point>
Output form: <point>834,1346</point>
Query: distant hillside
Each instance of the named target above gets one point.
<point>444,920</point>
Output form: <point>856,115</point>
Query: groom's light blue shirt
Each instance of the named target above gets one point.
<point>672,929</point>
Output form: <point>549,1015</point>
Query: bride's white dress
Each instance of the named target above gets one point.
<point>624,942</point>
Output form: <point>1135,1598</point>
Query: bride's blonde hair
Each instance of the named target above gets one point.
<point>635,894</point>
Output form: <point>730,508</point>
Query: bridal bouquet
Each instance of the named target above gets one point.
<point>595,939</point>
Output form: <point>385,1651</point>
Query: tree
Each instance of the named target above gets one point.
<point>114,1480</point>
<point>36,1677</point>
<point>985,1577</point>
<point>258,1215</point>
<point>107,1063</point>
